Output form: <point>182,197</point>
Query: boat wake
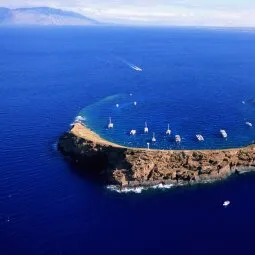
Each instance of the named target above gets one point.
<point>132,66</point>
<point>137,68</point>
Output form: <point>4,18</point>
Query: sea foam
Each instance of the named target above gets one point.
<point>79,119</point>
<point>139,189</point>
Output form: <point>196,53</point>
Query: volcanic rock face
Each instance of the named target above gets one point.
<point>135,167</point>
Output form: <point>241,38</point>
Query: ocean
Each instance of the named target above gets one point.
<point>196,80</point>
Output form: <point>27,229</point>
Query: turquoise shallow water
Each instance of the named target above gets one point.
<point>194,79</point>
<point>157,113</point>
<point>198,86</point>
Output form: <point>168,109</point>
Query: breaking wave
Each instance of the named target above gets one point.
<point>139,190</point>
<point>80,119</point>
<point>160,186</point>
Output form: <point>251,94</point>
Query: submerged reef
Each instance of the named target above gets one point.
<point>132,167</point>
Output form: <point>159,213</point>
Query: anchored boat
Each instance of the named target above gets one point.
<point>223,133</point>
<point>153,138</point>
<point>133,132</point>
<point>200,138</point>
<point>178,139</point>
<point>110,124</point>
<point>168,131</point>
<point>146,129</point>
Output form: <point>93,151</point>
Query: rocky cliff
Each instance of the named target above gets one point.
<point>141,167</point>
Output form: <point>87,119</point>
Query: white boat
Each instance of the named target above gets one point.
<point>226,203</point>
<point>168,131</point>
<point>137,68</point>
<point>200,138</point>
<point>223,133</point>
<point>248,123</point>
<point>135,103</point>
<point>178,139</point>
<point>117,105</point>
<point>133,132</point>
<point>153,138</point>
<point>110,124</point>
<point>146,129</point>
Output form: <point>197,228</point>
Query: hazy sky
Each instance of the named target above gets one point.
<point>170,12</point>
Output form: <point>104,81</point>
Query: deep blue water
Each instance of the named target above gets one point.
<point>197,81</point>
<point>193,79</point>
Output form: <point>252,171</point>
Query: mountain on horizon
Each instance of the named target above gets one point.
<point>43,16</point>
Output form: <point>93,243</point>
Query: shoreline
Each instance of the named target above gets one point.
<point>82,131</point>
<point>139,167</point>
<point>161,185</point>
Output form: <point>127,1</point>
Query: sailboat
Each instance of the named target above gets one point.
<point>168,131</point>
<point>153,138</point>
<point>110,124</point>
<point>146,129</point>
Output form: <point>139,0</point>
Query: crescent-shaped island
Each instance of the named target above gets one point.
<point>132,167</point>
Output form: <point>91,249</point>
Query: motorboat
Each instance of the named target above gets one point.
<point>200,138</point>
<point>178,139</point>
<point>133,132</point>
<point>223,133</point>
<point>248,123</point>
<point>226,203</point>
<point>137,68</point>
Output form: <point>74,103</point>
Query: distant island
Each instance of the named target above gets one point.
<point>133,167</point>
<point>43,16</point>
